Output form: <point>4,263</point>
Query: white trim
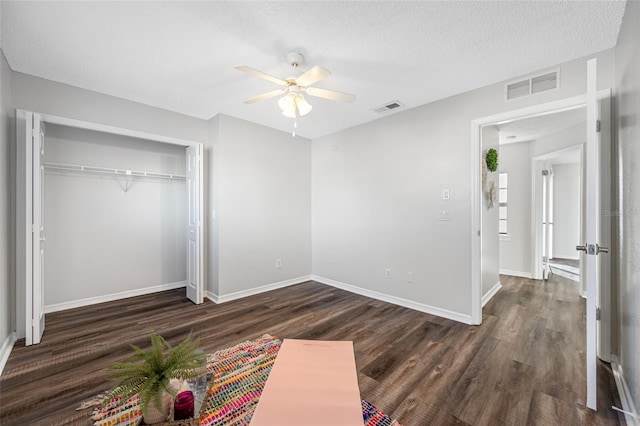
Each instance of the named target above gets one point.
<point>476,224</point>
<point>256,290</point>
<point>5,350</point>
<point>630,413</point>
<point>71,122</point>
<point>455,316</point>
<point>111,297</point>
<point>515,273</point>
<point>491,293</point>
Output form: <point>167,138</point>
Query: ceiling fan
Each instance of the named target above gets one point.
<point>293,103</point>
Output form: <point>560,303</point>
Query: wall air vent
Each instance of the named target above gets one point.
<point>532,85</point>
<point>388,107</point>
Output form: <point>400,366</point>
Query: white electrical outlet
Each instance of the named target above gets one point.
<point>410,277</point>
<point>387,273</point>
<point>278,263</point>
<point>444,215</point>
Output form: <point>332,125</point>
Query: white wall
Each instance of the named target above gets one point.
<point>516,253</point>
<point>490,232</point>
<point>627,63</point>
<point>102,237</point>
<point>7,200</point>
<point>263,206</point>
<point>566,210</point>
<point>377,193</point>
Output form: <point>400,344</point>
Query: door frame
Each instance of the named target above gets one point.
<point>476,200</point>
<point>24,203</point>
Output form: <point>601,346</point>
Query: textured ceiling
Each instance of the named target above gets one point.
<point>180,55</point>
<point>532,128</point>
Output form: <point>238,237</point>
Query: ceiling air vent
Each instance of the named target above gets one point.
<point>536,84</point>
<point>388,107</point>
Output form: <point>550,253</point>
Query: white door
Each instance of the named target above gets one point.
<point>31,255</point>
<point>195,275</point>
<point>591,247</point>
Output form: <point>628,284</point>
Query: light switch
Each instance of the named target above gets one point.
<point>445,194</point>
<point>444,215</point>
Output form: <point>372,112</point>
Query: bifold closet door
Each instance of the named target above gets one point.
<point>195,203</point>
<point>30,232</point>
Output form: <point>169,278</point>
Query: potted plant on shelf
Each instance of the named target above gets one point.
<point>149,373</point>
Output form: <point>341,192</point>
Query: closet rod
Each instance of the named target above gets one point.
<point>110,171</point>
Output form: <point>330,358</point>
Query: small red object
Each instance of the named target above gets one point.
<point>183,406</point>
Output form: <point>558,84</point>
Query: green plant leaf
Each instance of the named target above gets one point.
<point>148,372</point>
<point>492,160</point>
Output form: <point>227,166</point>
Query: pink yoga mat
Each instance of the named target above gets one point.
<point>312,383</point>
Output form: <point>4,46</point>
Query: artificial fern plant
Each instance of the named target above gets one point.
<point>148,373</point>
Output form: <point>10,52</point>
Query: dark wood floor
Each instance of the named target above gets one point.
<point>523,366</point>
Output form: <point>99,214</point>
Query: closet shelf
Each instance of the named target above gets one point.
<point>110,171</point>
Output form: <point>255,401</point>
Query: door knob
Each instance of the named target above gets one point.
<point>582,248</point>
<point>601,249</point>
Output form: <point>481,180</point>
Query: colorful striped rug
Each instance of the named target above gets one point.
<point>239,375</point>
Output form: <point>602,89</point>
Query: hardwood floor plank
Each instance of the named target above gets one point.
<point>523,365</point>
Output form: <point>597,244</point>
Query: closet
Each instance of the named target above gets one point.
<point>102,213</point>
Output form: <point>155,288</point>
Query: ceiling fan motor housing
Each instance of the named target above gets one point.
<point>295,59</point>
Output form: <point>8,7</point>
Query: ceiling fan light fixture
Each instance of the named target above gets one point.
<point>294,105</point>
<point>287,104</point>
<point>304,107</point>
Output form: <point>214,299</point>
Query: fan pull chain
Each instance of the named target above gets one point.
<point>295,126</point>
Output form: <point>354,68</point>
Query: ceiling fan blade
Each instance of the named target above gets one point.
<point>330,94</point>
<point>264,96</point>
<point>313,75</point>
<point>260,74</point>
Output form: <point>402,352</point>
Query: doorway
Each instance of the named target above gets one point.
<point>561,209</point>
<point>30,218</point>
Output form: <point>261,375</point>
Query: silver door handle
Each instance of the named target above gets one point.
<point>601,249</point>
<point>582,248</point>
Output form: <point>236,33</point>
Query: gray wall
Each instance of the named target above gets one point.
<point>515,250</point>
<point>106,235</point>
<point>45,96</point>
<point>377,192</point>
<point>263,200</point>
<point>627,61</point>
<point>7,197</point>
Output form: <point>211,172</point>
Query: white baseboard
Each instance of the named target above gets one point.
<point>515,273</point>
<point>111,297</point>
<point>491,293</point>
<point>455,316</point>
<point>628,407</point>
<point>5,350</point>
<point>256,290</point>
